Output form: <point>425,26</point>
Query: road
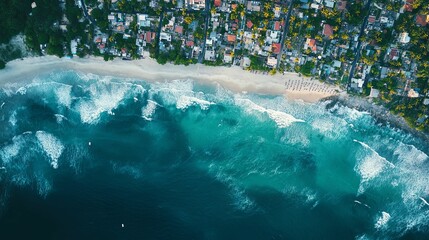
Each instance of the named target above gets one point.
<point>285,32</point>
<point>358,49</point>
<point>206,19</point>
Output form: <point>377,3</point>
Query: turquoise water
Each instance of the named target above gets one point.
<point>83,154</point>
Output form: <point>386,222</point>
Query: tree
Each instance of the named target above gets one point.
<point>2,64</point>
<point>307,68</point>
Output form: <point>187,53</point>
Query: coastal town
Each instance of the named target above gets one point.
<point>374,48</point>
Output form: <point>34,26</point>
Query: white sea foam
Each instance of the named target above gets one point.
<point>8,152</point>
<point>104,97</point>
<point>370,165</point>
<point>149,110</point>
<point>60,118</point>
<point>186,101</point>
<point>181,94</point>
<point>382,220</point>
<point>424,201</point>
<point>12,119</point>
<point>171,91</point>
<point>410,155</point>
<point>282,119</point>
<point>51,145</point>
<point>349,113</point>
<point>21,90</point>
<point>331,127</point>
<point>63,94</point>
<point>240,200</point>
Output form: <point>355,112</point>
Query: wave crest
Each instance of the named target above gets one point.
<point>51,145</point>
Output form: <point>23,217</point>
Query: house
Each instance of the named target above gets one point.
<point>341,5</point>
<point>408,6</point>
<point>275,48</point>
<point>413,94</point>
<point>328,31</point>
<point>336,64</point>
<point>227,56</point>
<point>277,26</point>
<point>394,54</point>
<point>277,11</point>
<point>179,29</point>
<point>165,36</point>
<point>231,38</point>
<point>422,20</point>
<point>245,62</point>
<point>196,4</point>
<point>249,24</point>
<point>189,43</point>
<point>210,55</point>
<point>404,38</point>
<point>371,19</point>
<point>142,20</point>
<point>357,83</point>
<point>315,6</point>
<point>272,61</point>
<point>329,4</point>
<point>374,93</point>
<point>310,43</point>
<point>150,36</point>
<point>218,3</point>
<point>253,6</point>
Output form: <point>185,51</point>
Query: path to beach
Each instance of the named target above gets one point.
<point>291,85</point>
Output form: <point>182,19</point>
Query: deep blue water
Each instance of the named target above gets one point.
<point>83,154</point>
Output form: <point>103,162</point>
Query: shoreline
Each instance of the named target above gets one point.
<point>379,113</point>
<point>290,85</point>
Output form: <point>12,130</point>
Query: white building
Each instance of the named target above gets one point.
<point>404,38</point>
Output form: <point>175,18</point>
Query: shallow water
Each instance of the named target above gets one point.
<point>83,154</point>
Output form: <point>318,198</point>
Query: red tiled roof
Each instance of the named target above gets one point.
<point>408,8</point>
<point>189,43</point>
<point>276,48</point>
<point>409,5</point>
<point>178,29</point>
<point>311,44</point>
<point>421,20</point>
<point>217,3</point>
<point>148,37</point>
<point>276,26</point>
<point>231,38</point>
<point>249,24</point>
<point>327,30</point>
<point>371,19</point>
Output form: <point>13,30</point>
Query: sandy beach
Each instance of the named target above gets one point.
<point>291,85</point>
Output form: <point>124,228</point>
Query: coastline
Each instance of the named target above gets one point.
<point>290,85</point>
<point>379,112</point>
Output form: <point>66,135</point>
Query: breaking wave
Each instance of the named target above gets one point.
<point>307,154</point>
<point>51,145</point>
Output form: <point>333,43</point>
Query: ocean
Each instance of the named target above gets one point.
<point>92,157</point>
